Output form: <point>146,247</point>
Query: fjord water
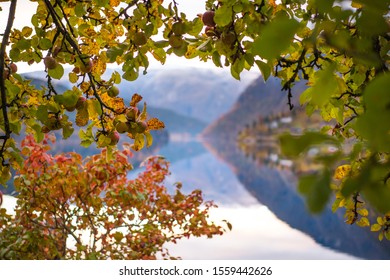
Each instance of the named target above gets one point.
<point>269,217</point>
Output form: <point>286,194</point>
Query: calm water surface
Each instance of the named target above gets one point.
<point>257,232</point>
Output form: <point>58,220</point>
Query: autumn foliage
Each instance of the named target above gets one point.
<point>70,208</point>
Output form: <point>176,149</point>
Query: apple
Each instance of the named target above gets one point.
<point>50,62</point>
<point>132,113</point>
<point>6,74</point>
<point>81,102</point>
<point>176,41</point>
<point>122,127</point>
<point>208,18</point>
<point>13,67</point>
<point>141,127</point>
<point>114,136</point>
<point>229,39</point>
<point>178,28</point>
<point>140,39</point>
<point>113,91</point>
<point>86,66</point>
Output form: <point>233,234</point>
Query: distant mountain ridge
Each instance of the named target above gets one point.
<point>199,93</point>
<point>194,92</point>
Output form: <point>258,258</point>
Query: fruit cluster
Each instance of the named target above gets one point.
<point>225,36</point>
<point>131,123</point>
<point>10,69</point>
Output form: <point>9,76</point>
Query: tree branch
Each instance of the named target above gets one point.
<point>61,28</point>
<point>3,93</point>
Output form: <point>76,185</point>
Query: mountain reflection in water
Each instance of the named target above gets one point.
<point>270,219</point>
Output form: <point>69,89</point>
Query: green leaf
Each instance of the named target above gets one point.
<point>371,22</point>
<point>79,9</point>
<point>130,75</point>
<point>23,44</point>
<point>196,27</point>
<point>69,98</point>
<point>223,15</point>
<point>38,135</point>
<point>15,126</point>
<point>293,146</point>
<point>12,90</point>
<point>86,136</point>
<point>159,55</point>
<point>116,77</point>
<point>324,88</point>
<point>237,67</point>
<point>45,44</point>
<point>57,72</point>
<point>67,131</point>
<point>315,188</point>
<point>378,195</point>
<point>161,44</point>
<point>113,53</point>
<point>217,59</point>
<point>372,125</point>
<point>42,114</point>
<point>275,38</point>
<point>265,69</point>
<point>73,78</point>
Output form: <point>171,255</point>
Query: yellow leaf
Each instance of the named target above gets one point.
<point>73,78</point>
<point>376,227</point>
<point>363,212</point>
<point>135,99</point>
<point>155,124</point>
<point>342,171</point>
<point>114,3</point>
<point>363,222</point>
<point>82,116</point>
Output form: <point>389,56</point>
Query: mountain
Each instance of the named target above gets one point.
<point>198,93</point>
<point>258,99</point>
<point>276,188</point>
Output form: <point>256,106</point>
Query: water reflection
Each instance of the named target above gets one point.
<point>257,234</point>
<point>270,219</point>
